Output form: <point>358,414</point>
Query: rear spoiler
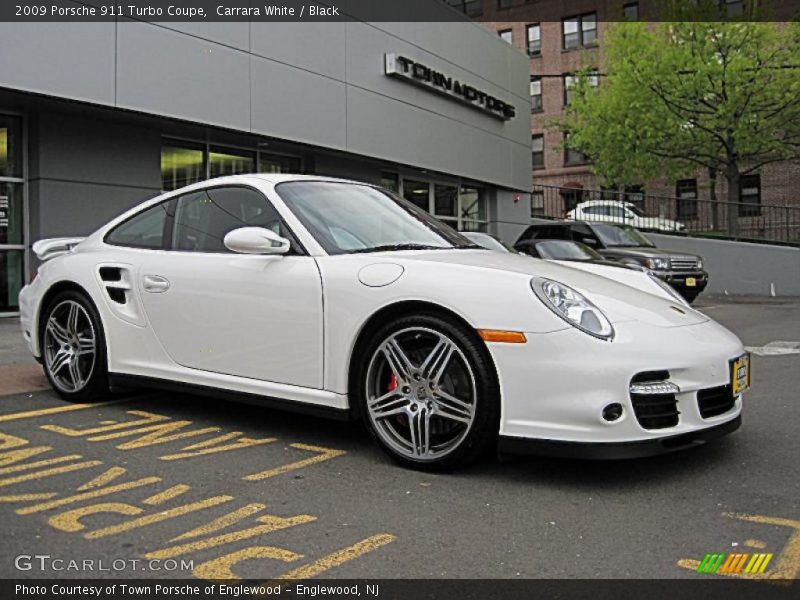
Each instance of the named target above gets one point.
<point>52,247</point>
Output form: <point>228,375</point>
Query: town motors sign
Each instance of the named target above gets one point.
<point>419,74</point>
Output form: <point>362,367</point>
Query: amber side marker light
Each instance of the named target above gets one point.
<point>495,335</point>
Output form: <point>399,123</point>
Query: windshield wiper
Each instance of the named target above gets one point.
<point>407,246</point>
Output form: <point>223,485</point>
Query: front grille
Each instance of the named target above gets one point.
<point>654,411</point>
<point>715,401</point>
<point>683,263</point>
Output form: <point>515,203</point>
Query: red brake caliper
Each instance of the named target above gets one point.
<point>392,383</point>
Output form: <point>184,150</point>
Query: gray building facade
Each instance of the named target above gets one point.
<point>96,117</point>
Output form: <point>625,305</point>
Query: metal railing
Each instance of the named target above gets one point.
<point>744,221</point>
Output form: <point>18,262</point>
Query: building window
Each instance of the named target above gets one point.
<point>471,8</point>
<point>534,38</point>
<point>10,147</point>
<point>12,214</point>
<point>473,208</point>
<point>537,203</point>
<point>445,203</point>
<point>390,181</point>
<point>536,94</point>
<point>572,156</point>
<point>277,163</point>
<point>537,151</point>
<point>631,11</point>
<point>579,31</point>
<point>228,161</point>
<point>503,4</point>
<point>418,193</point>
<point>570,81</point>
<point>750,195</point>
<point>731,8</point>
<point>686,193</point>
<point>506,36</point>
<point>181,164</point>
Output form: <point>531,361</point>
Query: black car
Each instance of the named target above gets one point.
<point>626,245</point>
<point>569,251</point>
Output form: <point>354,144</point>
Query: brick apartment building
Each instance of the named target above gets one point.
<point>562,37</point>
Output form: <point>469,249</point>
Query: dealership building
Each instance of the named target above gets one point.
<point>97,117</point>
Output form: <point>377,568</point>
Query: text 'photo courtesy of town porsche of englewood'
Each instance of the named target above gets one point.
<point>398,299</point>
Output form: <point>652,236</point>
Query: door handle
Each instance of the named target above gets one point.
<point>155,284</point>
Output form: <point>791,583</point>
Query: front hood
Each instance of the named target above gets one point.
<point>619,301</point>
<point>636,252</point>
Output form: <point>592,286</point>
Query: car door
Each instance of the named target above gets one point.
<point>254,316</point>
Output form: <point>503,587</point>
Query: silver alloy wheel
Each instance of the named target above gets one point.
<point>421,393</point>
<point>70,346</point>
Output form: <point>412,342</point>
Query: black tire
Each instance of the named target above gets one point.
<point>481,434</point>
<point>94,385</point>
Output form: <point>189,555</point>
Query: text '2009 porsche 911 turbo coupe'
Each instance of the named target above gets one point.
<point>338,297</point>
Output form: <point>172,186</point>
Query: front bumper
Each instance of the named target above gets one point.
<point>618,450</point>
<point>555,387</point>
<point>678,280</point>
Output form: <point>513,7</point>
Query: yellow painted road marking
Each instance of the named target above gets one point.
<point>337,558</point>
<point>788,563</point>
<point>323,455</point>
<point>210,446</point>
<point>223,522</point>
<point>30,414</point>
<point>158,517</point>
<point>104,478</point>
<point>129,485</point>
<point>168,494</point>
<point>69,520</point>
<point>760,544</point>
<point>219,569</point>
<point>27,497</point>
<point>39,463</point>
<point>50,472</point>
<point>147,419</point>
<point>270,523</point>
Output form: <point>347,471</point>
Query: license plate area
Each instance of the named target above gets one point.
<point>691,282</point>
<point>740,374</point>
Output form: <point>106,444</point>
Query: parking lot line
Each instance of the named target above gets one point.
<point>58,409</point>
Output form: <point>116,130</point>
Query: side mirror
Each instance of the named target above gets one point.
<point>256,240</point>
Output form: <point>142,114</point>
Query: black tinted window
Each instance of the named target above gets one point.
<point>145,230</point>
<point>202,219</point>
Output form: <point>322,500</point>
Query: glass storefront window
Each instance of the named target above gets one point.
<point>227,161</point>
<point>473,203</point>
<point>445,201</point>
<point>12,217</point>
<point>10,146</point>
<point>12,274</point>
<point>276,163</point>
<point>181,164</point>
<point>390,181</point>
<point>417,192</point>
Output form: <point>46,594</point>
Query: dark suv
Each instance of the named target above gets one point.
<point>627,245</point>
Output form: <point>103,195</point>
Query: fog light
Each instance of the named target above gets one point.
<point>612,412</point>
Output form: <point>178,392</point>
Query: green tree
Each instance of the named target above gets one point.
<point>677,96</point>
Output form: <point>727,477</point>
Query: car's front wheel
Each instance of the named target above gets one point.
<point>428,393</point>
<point>73,348</point>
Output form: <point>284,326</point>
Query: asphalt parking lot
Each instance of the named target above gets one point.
<point>227,490</point>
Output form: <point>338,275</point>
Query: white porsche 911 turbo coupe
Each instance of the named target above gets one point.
<point>340,298</point>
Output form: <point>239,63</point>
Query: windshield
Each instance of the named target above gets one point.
<point>488,241</point>
<point>348,217</point>
<point>621,236</point>
<point>564,250</point>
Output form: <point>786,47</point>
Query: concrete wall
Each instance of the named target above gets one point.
<point>317,83</point>
<point>739,267</point>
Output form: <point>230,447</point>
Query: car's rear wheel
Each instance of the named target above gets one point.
<point>428,393</point>
<point>73,348</point>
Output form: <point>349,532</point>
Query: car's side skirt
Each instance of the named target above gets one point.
<point>120,381</point>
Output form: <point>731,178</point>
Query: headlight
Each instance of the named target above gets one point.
<point>573,307</point>
<point>669,289</point>
<point>699,263</point>
<point>657,264</point>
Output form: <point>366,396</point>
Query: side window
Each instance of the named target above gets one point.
<point>202,219</point>
<point>618,212</point>
<point>145,230</point>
